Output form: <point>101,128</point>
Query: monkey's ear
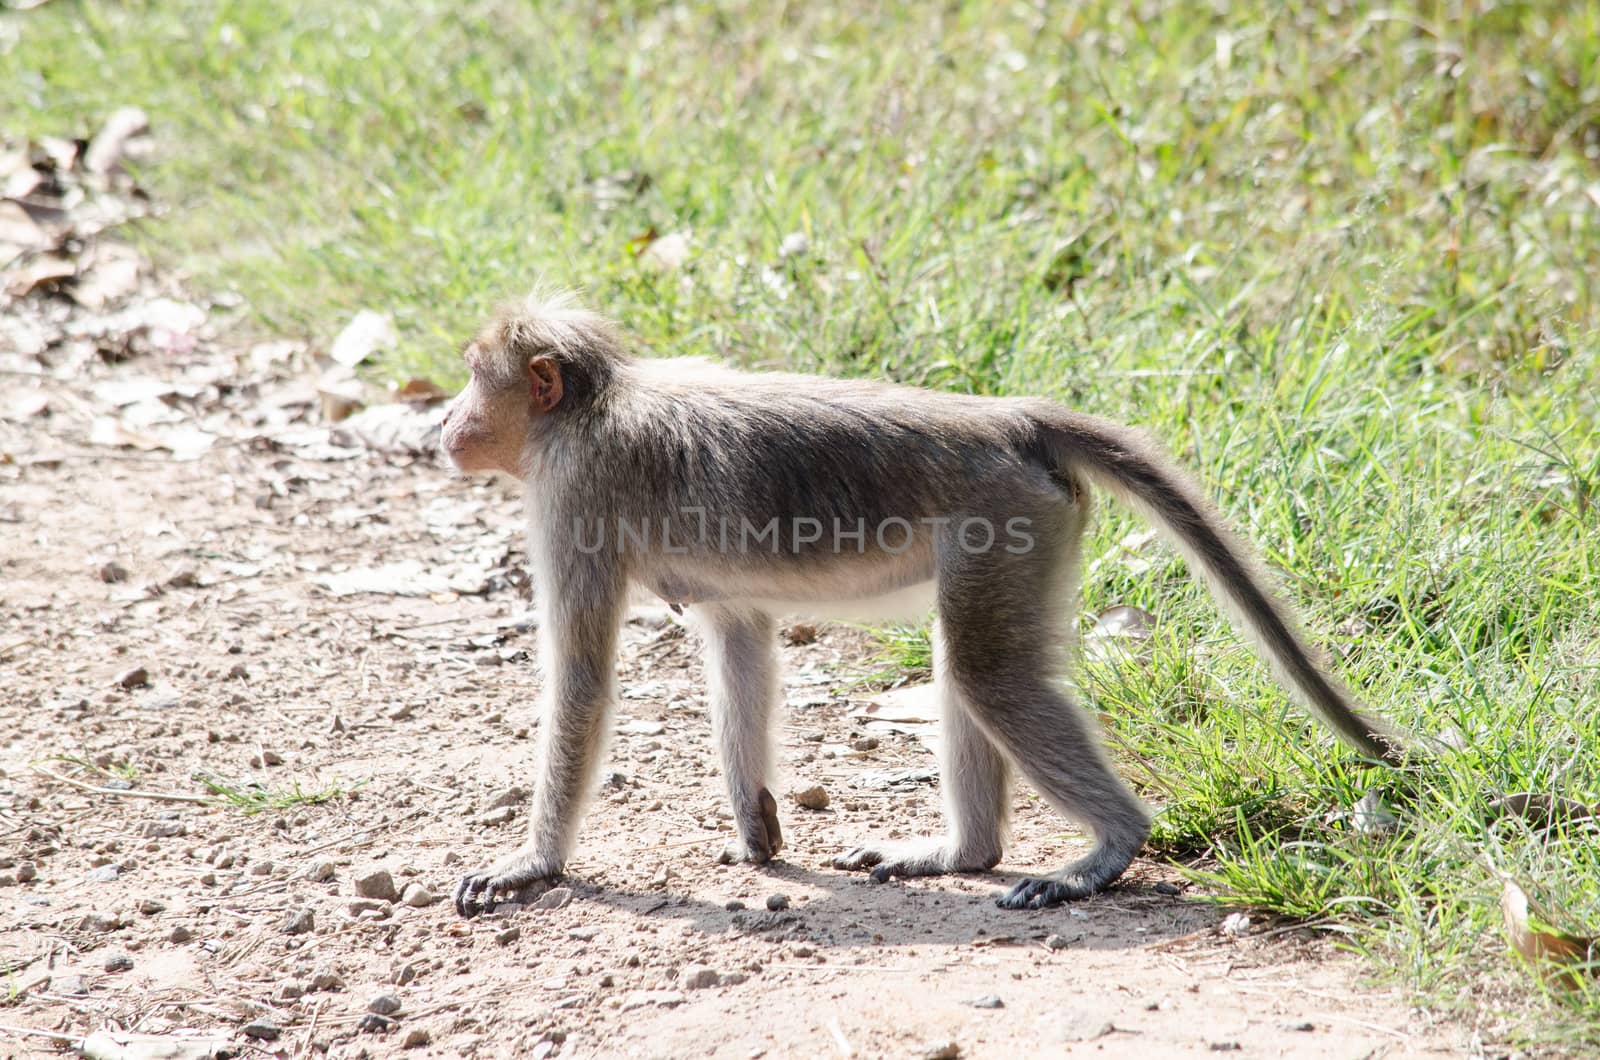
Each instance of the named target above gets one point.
<point>544,379</point>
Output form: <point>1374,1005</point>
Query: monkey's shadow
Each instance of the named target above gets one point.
<point>853,910</point>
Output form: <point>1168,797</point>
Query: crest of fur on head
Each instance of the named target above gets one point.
<point>586,345</point>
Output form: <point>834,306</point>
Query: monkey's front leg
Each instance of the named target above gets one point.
<point>742,671</point>
<point>579,617</point>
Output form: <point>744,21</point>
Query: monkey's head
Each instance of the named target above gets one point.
<point>537,361</point>
<point>488,425</point>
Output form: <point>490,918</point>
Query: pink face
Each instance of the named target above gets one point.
<point>486,426</point>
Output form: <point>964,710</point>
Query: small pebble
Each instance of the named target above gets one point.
<point>864,743</point>
<point>118,962</point>
<point>113,572</point>
<point>384,1005</point>
<point>27,872</point>
<point>733,906</point>
<point>988,1001</point>
<point>300,922</point>
<point>137,677</point>
<point>698,977</point>
<point>180,934</point>
<point>554,898</point>
<point>417,896</point>
<point>72,985</point>
<point>262,1030</point>
<point>416,1037</point>
<point>942,1051</point>
<point>1168,888</point>
<point>776,902</point>
<point>152,906</point>
<point>585,934</point>
<point>499,815</point>
<point>100,922</point>
<point>377,884</point>
<point>813,798</point>
<point>103,874</point>
<point>322,979</point>
<point>1057,942</point>
<point>289,990</point>
<point>162,829</point>
<point>372,1023</point>
<point>321,871</point>
<point>508,936</point>
<point>512,796</point>
<point>261,868</point>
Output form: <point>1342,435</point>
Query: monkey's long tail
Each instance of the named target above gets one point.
<point>1133,469</point>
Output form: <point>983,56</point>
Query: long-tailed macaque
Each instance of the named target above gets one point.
<point>741,496</point>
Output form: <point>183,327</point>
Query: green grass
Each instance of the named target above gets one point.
<point>253,798</point>
<point>1343,262</point>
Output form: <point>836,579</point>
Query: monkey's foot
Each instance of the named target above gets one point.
<point>479,891</point>
<point>760,837</point>
<point>1041,893</point>
<point>1082,878</point>
<point>923,857</point>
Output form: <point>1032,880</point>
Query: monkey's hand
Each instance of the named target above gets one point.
<point>760,837</point>
<point>918,857</point>
<point>479,891</point>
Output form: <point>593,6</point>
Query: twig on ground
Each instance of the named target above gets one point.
<point>131,793</point>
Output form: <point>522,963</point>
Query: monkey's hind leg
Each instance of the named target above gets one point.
<point>1002,616</point>
<point>976,780</point>
<point>742,671</point>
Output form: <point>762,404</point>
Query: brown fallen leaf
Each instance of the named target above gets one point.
<point>400,428</point>
<point>420,391</point>
<point>184,443</point>
<point>109,144</point>
<point>110,277</point>
<point>341,392</point>
<point>1552,954</point>
<point>19,233</point>
<point>44,269</point>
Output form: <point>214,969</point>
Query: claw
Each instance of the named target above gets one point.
<point>1043,893</point>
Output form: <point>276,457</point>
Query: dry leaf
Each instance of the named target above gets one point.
<point>367,333</point>
<point>1551,954</point>
<point>112,276</point>
<point>132,390</point>
<point>184,443</point>
<point>110,431</point>
<point>19,406</point>
<point>19,233</point>
<point>120,1045</point>
<point>406,578</point>
<point>1119,632</point>
<point>396,428</point>
<point>109,144</point>
<point>45,269</point>
<point>421,391</point>
<point>340,392</point>
<point>902,709</point>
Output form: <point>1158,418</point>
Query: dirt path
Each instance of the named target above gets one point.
<point>187,553</point>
